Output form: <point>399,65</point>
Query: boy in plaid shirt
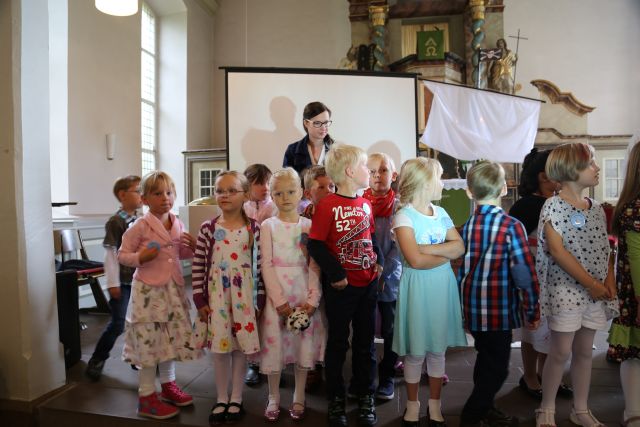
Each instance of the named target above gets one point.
<point>498,287</point>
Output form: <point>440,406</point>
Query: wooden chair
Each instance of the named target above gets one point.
<point>69,245</point>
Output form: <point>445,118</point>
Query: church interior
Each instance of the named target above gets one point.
<point>87,97</point>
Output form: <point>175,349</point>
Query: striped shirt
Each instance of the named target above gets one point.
<point>498,282</point>
<point>200,269</point>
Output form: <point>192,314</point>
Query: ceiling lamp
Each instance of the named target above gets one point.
<point>117,7</point>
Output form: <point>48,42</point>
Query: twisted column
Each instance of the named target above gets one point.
<point>378,18</point>
<point>477,22</point>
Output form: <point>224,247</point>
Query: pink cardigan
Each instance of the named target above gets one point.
<point>166,265</point>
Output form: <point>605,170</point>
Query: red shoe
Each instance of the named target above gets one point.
<point>172,393</point>
<point>152,407</point>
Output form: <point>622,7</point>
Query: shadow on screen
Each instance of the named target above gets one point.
<point>268,146</point>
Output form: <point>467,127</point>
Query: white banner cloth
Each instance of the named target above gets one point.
<point>471,124</point>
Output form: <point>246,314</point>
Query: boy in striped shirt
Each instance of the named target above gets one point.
<point>498,288</point>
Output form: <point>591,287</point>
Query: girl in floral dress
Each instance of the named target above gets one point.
<point>291,282</point>
<point>157,325</point>
<point>223,289</point>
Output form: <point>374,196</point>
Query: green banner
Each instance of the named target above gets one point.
<point>430,45</point>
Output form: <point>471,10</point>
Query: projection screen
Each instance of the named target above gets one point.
<point>375,111</point>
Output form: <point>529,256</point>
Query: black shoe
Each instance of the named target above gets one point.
<point>497,418</point>
<point>252,377</point>
<point>234,417</point>
<point>406,423</point>
<point>565,390</point>
<point>366,410</point>
<point>219,417</point>
<point>94,369</point>
<point>535,393</point>
<point>336,414</point>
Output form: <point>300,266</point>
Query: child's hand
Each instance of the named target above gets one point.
<point>379,269</point>
<point>598,291</point>
<point>284,310</point>
<point>308,308</point>
<point>532,326</point>
<point>188,240</point>
<point>147,254</point>
<point>115,292</point>
<point>381,285</point>
<point>204,312</point>
<point>340,285</point>
<point>610,285</point>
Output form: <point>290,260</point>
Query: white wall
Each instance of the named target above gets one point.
<point>587,47</point>
<point>104,97</point>
<point>286,33</point>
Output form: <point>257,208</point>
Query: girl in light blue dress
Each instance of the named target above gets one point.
<point>428,316</point>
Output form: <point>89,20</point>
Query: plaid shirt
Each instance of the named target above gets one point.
<point>498,282</point>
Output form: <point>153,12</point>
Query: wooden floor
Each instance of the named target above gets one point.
<point>112,401</point>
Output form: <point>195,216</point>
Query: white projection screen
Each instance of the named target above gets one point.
<point>375,111</point>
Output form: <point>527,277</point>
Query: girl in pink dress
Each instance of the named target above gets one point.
<point>291,282</point>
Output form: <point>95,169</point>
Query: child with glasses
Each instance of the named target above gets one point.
<point>292,283</point>
<point>158,328</point>
<point>118,276</point>
<point>223,289</point>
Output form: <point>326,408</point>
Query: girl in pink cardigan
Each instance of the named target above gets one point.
<point>158,329</point>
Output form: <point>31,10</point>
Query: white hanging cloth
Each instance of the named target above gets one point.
<point>472,124</point>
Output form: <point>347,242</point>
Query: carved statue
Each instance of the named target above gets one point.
<point>501,70</point>
<point>350,62</point>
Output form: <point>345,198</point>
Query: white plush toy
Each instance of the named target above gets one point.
<point>298,320</point>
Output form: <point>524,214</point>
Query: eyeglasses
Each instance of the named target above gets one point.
<point>229,192</point>
<point>133,191</point>
<point>318,124</point>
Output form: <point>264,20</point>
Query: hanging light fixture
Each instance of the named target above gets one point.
<point>117,7</point>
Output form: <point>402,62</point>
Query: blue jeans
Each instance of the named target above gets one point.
<point>115,326</point>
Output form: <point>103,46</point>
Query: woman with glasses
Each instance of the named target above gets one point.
<point>311,149</point>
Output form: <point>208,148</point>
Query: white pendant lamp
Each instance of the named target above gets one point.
<point>117,7</point>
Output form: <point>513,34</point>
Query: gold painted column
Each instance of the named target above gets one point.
<point>476,8</point>
<point>378,17</point>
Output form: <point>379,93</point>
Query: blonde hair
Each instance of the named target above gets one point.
<point>485,180</point>
<point>284,174</point>
<point>630,188</point>
<point>244,184</point>
<point>312,174</point>
<point>383,157</point>
<point>566,161</point>
<point>339,158</point>
<point>415,174</point>
<point>153,180</point>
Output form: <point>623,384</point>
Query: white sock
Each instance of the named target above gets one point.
<point>434,410</point>
<point>274,391</point>
<point>630,379</point>
<point>147,381</point>
<point>167,371</point>
<point>413,411</point>
<point>301,382</point>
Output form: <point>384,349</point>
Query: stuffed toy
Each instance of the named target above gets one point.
<point>298,321</point>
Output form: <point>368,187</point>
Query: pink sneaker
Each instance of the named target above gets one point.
<point>172,393</point>
<point>152,407</point>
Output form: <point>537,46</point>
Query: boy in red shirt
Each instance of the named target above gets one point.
<point>342,242</point>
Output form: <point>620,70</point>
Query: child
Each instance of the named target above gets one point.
<point>534,189</point>
<point>383,173</point>
<point>223,291</point>
<point>498,284</point>
<point>118,276</point>
<point>158,328</point>
<point>342,242</point>
<point>317,185</point>
<point>576,277</point>
<point>624,335</point>
<point>290,284</point>
<point>428,318</point>
<point>259,207</point>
